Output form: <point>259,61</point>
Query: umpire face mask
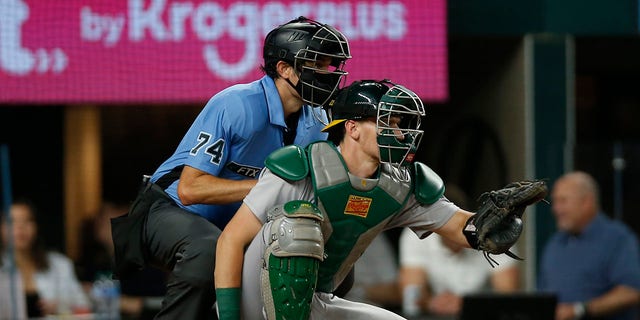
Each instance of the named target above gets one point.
<point>316,86</point>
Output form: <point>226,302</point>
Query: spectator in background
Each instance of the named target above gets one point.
<point>592,263</point>
<point>142,292</point>
<point>445,272</point>
<point>48,278</point>
<point>96,246</point>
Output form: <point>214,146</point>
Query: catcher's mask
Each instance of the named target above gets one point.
<point>398,111</point>
<point>302,43</point>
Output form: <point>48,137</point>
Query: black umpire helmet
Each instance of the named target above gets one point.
<point>301,43</point>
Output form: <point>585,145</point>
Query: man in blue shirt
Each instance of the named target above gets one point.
<point>219,158</point>
<point>592,263</point>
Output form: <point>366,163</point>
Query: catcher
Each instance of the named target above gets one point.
<point>315,210</point>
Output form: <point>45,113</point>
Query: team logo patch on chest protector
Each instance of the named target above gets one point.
<point>358,206</point>
<point>348,198</point>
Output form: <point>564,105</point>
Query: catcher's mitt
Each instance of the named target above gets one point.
<point>497,224</point>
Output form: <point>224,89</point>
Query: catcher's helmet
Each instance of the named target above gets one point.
<point>357,101</point>
<point>301,42</point>
<point>398,111</point>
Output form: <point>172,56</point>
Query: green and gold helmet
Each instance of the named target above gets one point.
<point>398,111</point>
<point>355,102</point>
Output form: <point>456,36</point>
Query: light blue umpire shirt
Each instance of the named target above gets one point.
<point>232,136</point>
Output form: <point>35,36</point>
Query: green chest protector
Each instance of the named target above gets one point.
<point>355,209</point>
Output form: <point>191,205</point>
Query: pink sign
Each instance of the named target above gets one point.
<point>148,51</point>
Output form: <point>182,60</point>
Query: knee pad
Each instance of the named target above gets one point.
<point>291,260</point>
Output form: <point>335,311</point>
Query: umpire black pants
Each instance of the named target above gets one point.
<point>159,233</point>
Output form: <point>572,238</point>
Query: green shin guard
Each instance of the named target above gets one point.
<point>291,260</point>
<point>292,281</point>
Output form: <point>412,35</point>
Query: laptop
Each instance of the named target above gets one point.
<point>517,306</point>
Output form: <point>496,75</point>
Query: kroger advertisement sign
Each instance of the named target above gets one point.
<point>81,51</point>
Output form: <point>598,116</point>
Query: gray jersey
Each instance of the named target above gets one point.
<point>272,190</point>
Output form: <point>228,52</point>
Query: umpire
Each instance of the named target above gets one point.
<point>175,221</point>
